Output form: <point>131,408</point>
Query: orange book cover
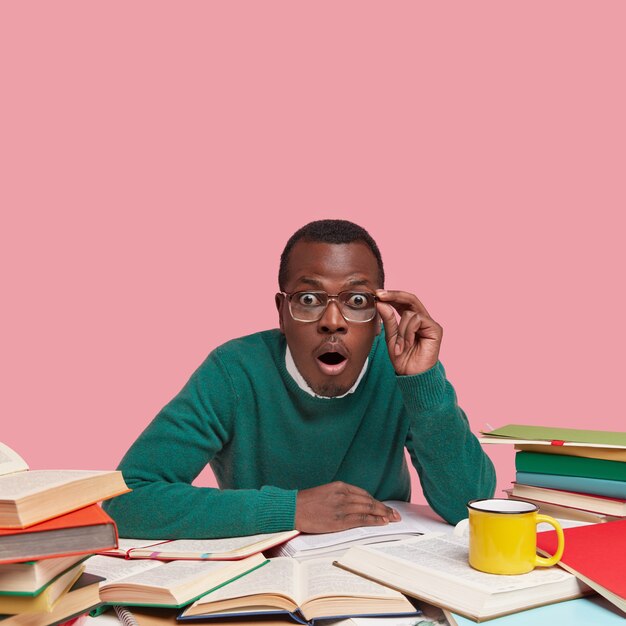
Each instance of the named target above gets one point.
<point>596,554</point>
<point>60,536</point>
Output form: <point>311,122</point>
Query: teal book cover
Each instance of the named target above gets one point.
<point>596,486</point>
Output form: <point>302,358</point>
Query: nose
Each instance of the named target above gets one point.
<point>332,321</point>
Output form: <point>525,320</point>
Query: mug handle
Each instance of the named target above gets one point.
<point>461,529</point>
<point>554,559</point>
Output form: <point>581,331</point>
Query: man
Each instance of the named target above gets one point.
<point>305,427</point>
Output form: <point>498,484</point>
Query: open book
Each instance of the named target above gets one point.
<point>31,496</point>
<point>416,520</point>
<point>305,591</point>
<point>435,568</point>
<point>199,549</point>
<point>171,584</point>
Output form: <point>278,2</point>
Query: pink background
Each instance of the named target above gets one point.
<point>155,157</point>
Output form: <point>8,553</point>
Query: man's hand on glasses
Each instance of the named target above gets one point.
<point>413,340</point>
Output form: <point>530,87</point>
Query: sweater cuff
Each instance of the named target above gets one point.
<point>276,509</point>
<point>423,391</point>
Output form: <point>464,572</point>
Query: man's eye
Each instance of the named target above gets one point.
<point>358,300</point>
<point>308,299</point>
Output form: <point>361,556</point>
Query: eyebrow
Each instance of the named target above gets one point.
<point>355,282</point>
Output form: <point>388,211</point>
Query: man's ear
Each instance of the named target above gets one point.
<point>280,301</point>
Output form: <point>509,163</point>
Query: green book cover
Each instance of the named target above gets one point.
<point>569,466</point>
<point>547,433</point>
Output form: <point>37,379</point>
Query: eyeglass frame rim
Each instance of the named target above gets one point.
<point>288,295</point>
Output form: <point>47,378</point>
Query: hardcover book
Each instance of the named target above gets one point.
<point>28,497</point>
<point>594,486</point>
<point>570,465</point>
<point>596,554</point>
<point>564,512</point>
<point>557,437</point>
<point>31,577</point>
<point>585,501</point>
<point>305,591</point>
<point>145,582</point>
<point>44,601</point>
<point>80,599</point>
<point>80,532</point>
<point>435,568</point>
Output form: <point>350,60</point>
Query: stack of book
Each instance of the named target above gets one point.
<point>50,522</point>
<point>568,473</point>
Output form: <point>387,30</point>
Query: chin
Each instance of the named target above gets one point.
<point>330,388</point>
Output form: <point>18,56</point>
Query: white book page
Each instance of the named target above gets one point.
<point>10,461</point>
<point>113,568</point>
<point>415,519</point>
<point>23,484</point>
<point>446,556</point>
<point>148,572</point>
<point>174,574</point>
<point>198,546</point>
<point>276,577</point>
<point>320,578</point>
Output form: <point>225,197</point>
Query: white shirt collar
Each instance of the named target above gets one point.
<point>290,364</point>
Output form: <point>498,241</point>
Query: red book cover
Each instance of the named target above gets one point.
<point>60,536</point>
<point>597,552</point>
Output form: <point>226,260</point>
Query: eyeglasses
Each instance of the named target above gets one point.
<point>310,306</point>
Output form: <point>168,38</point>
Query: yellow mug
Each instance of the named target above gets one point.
<point>503,536</point>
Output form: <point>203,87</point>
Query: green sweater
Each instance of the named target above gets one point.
<point>265,438</point>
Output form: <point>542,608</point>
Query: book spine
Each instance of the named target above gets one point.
<point>570,466</point>
<point>594,486</point>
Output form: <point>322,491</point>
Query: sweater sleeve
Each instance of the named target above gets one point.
<point>175,447</point>
<point>452,466</point>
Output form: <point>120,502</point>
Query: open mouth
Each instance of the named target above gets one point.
<point>331,358</point>
<point>332,362</point>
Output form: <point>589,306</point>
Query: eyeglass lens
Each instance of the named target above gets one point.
<point>355,306</point>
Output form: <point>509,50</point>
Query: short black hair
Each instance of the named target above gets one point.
<point>329,231</point>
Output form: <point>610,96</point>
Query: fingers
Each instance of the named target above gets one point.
<point>339,506</point>
<point>414,319</point>
<point>414,339</point>
<point>402,301</point>
<point>390,322</point>
<point>408,327</point>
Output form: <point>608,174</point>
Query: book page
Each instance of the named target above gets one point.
<point>320,578</point>
<point>173,574</point>
<point>446,556</point>
<point>23,484</point>
<point>10,461</point>
<point>201,547</point>
<point>148,572</point>
<point>113,568</point>
<point>276,577</point>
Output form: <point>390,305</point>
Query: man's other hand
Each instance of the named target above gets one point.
<point>413,341</point>
<point>339,506</point>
